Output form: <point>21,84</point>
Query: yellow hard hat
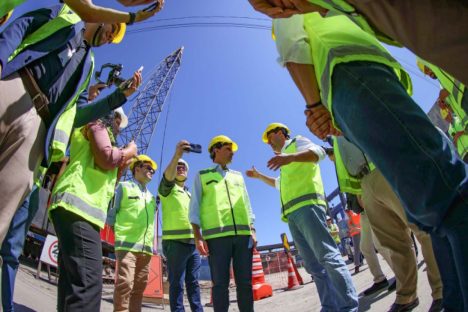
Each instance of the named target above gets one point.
<point>222,139</point>
<point>444,113</point>
<point>273,126</point>
<point>421,66</point>
<point>143,158</point>
<point>119,32</point>
<point>5,18</point>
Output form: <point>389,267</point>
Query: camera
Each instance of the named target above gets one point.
<point>328,150</point>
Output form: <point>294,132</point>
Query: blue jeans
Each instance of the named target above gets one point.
<point>13,244</point>
<point>183,264</point>
<point>222,250</point>
<point>322,259</point>
<point>374,112</point>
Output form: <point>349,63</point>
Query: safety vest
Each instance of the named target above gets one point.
<point>175,209</point>
<point>342,7</point>
<point>334,228</point>
<point>134,222</point>
<point>84,189</point>
<point>223,211</point>
<point>336,40</point>
<point>354,223</point>
<point>64,125</point>
<point>300,184</point>
<point>454,87</point>
<point>459,135</point>
<point>347,182</point>
<point>8,5</point>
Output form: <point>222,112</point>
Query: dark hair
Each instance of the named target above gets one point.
<point>217,145</point>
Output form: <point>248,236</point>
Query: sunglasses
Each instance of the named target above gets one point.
<point>148,167</point>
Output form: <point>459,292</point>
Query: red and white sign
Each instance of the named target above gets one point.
<point>50,251</point>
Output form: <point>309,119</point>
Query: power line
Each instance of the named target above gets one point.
<point>199,24</point>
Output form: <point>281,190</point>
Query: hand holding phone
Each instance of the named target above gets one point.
<point>194,148</point>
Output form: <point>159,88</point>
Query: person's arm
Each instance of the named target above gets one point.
<point>171,170</point>
<point>105,155</point>
<point>20,28</point>
<point>165,187</point>
<point>92,13</point>
<point>246,199</point>
<point>273,9</point>
<point>254,173</point>
<point>114,209</point>
<point>89,111</point>
<point>194,216</point>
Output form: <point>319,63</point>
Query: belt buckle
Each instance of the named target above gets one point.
<point>39,102</point>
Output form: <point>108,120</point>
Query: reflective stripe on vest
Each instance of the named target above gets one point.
<point>223,211</point>
<point>300,184</point>
<point>118,245</point>
<point>84,189</point>
<point>336,40</point>
<point>65,18</point>
<point>175,210</point>
<point>134,222</point>
<point>76,201</point>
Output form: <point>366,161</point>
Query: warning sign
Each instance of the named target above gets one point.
<point>50,250</point>
<point>154,288</point>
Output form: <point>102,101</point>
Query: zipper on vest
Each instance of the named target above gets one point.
<point>232,208</point>
<point>146,230</point>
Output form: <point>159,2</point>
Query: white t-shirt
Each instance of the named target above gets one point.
<point>292,41</point>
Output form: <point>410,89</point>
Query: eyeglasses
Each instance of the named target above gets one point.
<point>181,167</point>
<point>147,167</point>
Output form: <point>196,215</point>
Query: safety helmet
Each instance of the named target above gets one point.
<point>222,139</point>
<point>143,158</point>
<point>119,32</point>
<point>183,162</point>
<point>273,126</point>
<point>124,122</point>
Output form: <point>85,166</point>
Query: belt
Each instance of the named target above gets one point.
<point>40,101</point>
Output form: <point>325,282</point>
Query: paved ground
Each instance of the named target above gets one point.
<point>40,295</point>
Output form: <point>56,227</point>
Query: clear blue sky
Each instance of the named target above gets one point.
<point>229,83</point>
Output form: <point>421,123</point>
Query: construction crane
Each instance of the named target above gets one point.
<point>148,105</point>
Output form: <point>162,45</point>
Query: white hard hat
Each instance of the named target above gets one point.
<point>124,117</point>
<point>185,163</point>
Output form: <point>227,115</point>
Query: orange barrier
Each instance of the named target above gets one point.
<point>260,288</point>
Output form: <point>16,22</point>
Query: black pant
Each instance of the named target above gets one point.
<point>222,250</point>
<point>80,262</point>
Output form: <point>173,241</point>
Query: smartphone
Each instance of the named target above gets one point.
<point>152,7</point>
<point>195,148</point>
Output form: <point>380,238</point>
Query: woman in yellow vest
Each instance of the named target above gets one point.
<point>78,210</point>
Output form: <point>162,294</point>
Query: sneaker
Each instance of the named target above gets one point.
<point>436,306</point>
<point>397,307</point>
<point>392,286</point>
<point>376,287</point>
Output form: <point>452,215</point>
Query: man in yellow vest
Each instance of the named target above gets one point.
<point>78,209</point>
<point>183,259</point>
<point>46,64</point>
<point>303,207</point>
<point>386,216</point>
<point>351,83</point>
<point>397,22</point>
<point>132,217</point>
<point>222,222</point>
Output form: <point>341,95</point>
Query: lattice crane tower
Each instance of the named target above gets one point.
<point>147,107</point>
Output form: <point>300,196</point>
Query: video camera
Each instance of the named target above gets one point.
<point>113,77</point>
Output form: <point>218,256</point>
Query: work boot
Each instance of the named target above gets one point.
<point>406,307</point>
<point>376,287</point>
<point>356,270</point>
<point>436,306</point>
<point>392,286</point>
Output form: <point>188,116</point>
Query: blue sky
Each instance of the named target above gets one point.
<point>229,83</point>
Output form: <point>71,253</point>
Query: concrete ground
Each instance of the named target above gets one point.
<point>33,294</point>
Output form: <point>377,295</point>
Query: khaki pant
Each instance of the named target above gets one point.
<point>433,29</point>
<point>390,226</point>
<point>132,276</point>
<point>368,249</point>
<point>22,136</point>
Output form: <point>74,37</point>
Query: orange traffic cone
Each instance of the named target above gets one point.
<point>260,288</point>
<point>293,283</point>
<point>298,276</point>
